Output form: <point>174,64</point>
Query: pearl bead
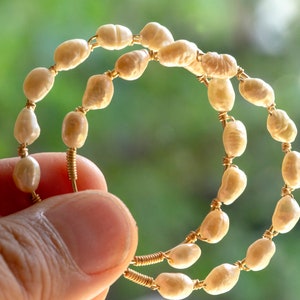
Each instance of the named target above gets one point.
<point>221,279</point>
<point>26,129</point>
<point>113,37</point>
<point>234,138</point>
<point>183,255</point>
<point>281,127</point>
<point>38,83</point>
<point>214,226</point>
<point>27,174</point>
<point>257,92</point>
<point>178,54</point>
<point>98,93</point>
<point>155,36</point>
<point>291,169</point>
<point>174,285</point>
<point>74,129</point>
<point>221,94</point>
<point>219,65</point>
<point>234,182</point>
<point>131,66</point>
<point>286,214</point>
<point>259,254</point>
<point>70,54</point>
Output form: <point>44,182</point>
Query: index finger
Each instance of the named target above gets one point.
<point>54,180</point>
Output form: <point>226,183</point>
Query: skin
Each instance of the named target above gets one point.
<point>70,245</point>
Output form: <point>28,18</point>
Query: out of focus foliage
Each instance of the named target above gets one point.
<point>159,142</point>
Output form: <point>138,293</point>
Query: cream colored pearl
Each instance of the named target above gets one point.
<point>234,182</point>
<point>70,54</point>
<point>26,129</point>
<point>178,54</point>
<point>74,129</point>
<point>27,174</point>
<point>257,92</point>
<point>219,65</point>
<point>234,138</point>
<point>281,127</point>
<point>98,93</point>
<point>131,66</point>
<point>291,169</point>
<point>214,226</point>
<point>113,37</point>
<point>155,36</point>
<point>259,254</point>
<point>174,286</point>
<point>38,83</point>
<point>221,279</point>
<point>195,68</point>
<point>183,255</point>
<point>221,94</point>
<point>286,214</point>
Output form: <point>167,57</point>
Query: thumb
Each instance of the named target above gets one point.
<point>72,246</point>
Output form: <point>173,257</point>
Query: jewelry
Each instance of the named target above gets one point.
<point>215,72</point>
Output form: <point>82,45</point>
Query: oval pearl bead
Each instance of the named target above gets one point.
<point>234,182</point>
<point>27,174</point>
<point>183,255</point>
<point>98,93</point>
<point>281,127</point>
<point>70,54</point>
<point>26,129</point>
<point>178,54</point>
<point>221,94</point>
<point>286,214</point>
<point>74,129</point>
<point>219,65</point>
<point>291,169</point>
<point>113,37</point>
<point>174,285</point>
<point>155,36</point>
<point>259,254</point>
<point>214,226</point>
<point>257,92</point>
<point>221,279</point>
<point>234,138</point>
<point>38,83</point>
<point>131,66</point>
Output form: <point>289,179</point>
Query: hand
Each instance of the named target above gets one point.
<point>69,246</point>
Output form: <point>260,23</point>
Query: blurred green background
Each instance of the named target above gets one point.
<point>159,142</point>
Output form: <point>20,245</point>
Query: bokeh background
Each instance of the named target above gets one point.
<point>159,142</point>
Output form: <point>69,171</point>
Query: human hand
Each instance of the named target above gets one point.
<point>70,246</point>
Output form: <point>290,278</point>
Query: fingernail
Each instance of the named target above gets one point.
<point>96,228</point>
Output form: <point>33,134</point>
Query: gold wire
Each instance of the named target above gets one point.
<point>242,266</point>
<point>22,150</point>
<point>92,41</point>
<point>192,237</point>
<point>140,279</point>
<point>286,147</point>
<point>136,39</point>
<point>35,197</point>
<point>270,233</point>
<point>203,79</point>
<point>287,191</point>
<point>72,167</point>
<point>112,74</point>
<point>149,259</point>
<point>198,284</point>
<point>215,204</point>
<point>241,75</point>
